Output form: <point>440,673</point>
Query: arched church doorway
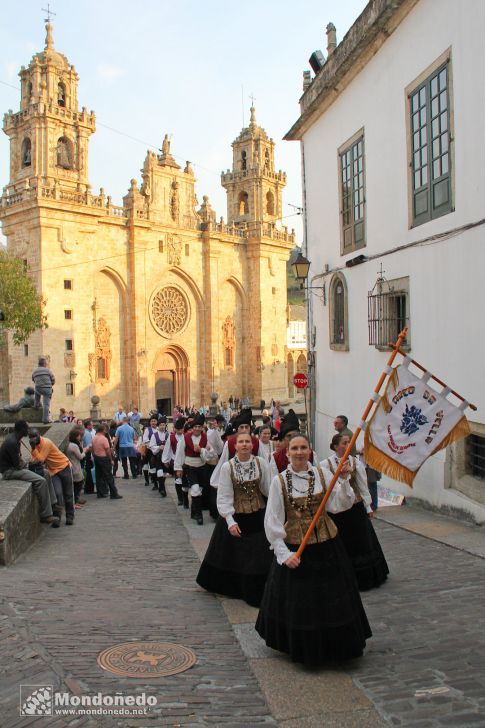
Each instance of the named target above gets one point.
<point>171,373</point>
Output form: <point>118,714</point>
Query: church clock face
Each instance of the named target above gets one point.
<point>169,311</point>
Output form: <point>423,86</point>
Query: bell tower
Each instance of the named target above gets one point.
<point>253,186</point>
<point>49,135</point>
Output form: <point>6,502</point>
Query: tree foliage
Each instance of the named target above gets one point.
<point>20,304</point>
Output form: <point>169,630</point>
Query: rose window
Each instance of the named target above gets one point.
<point>169,310</point>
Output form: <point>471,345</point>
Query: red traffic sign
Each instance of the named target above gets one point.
<point>300,380</point>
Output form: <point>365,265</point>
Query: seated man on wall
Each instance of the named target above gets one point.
<point>13,467</point>
<point>59,466</point>
<point>26,401</point>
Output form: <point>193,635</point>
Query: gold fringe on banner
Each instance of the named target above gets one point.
<point>461,429</point>
<point>387,465</point>
<point>384,464</point>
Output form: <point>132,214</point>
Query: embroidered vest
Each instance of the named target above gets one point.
<point>158,439</point>
<point>189,444</point>
<point>247,496</point>
<point>281,459</point>
<point>231,444</point>
<point>353,480</point>
<point>298,521</point>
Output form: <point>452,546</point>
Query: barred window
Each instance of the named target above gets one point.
<point>352,184</point>
<point>388,312</point>
<point>429,109</point>
<point>70,389</point>
<point>338,313</point>
<point>475,456</point>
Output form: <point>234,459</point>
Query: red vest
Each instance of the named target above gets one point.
<point>189,444</point>
<point>231,444</point>
<point>281,459</point>
<point>173,441</point>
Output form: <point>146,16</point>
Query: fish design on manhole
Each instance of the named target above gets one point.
<point>146,659</point>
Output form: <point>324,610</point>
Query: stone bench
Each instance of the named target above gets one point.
<point>19,508</point>
<point>19,519</point>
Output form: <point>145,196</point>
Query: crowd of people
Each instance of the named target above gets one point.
<point>261,482</point>
<point>262,485</point>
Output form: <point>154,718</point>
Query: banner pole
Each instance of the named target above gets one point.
<point>351,444</point>
<point>423,369</point>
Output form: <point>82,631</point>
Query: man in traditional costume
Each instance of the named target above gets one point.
<point>168,458</point>
<point>146,452</point>
<point>215,446</point>
<point>157,444</point>
<point>190,458</point>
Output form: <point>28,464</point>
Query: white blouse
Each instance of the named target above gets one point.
<point>340,499</point>
<point>266,450</point>
<point>359,474</point>
<point>225,491</point>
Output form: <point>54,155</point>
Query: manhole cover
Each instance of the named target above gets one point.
<point>146,659</point>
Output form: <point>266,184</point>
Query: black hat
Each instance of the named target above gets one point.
<point>289,423</point>
<point>199,419</point>
<point>179,423</point>
<point>162,420</point>
<point>243,418</point>
<point>220,418</point>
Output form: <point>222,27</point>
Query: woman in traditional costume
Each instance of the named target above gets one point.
<point>266,444</point>
<point>354,524</point>
<point>311,607</point>
<point>238,556</point>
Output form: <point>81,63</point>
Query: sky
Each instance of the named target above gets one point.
<point>187,69</point>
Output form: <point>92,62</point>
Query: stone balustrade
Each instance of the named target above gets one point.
<point>42,109</point>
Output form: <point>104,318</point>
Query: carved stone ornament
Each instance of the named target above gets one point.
<point>169,311</point>
<point>174,200</point>
<point>174,250</point>
<point>103,350</point>
<point>228,332</point>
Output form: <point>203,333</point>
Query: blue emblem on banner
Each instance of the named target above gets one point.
<point>412,420</point>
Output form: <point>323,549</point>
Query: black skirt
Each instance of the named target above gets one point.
<point>314,612</point>
<point>362,545</point>
<point>237,567</point>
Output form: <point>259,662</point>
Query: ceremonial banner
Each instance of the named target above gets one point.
<point>411,422</point>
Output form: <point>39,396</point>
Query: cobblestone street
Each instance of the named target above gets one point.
<point>126,571</point>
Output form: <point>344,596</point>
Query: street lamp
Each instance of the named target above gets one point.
<point>300,268</point>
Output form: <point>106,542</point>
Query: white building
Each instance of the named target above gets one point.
<point>296,344</point>
<point>390,135</point>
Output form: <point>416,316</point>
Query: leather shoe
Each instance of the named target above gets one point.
<point>51,519</point>
<point>200,520</point>
<point>100,495</point>
<point>116,497</point>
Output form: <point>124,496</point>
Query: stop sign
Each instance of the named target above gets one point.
<point>300,380</point>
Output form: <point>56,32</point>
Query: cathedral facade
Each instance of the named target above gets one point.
<point>154,302</point>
